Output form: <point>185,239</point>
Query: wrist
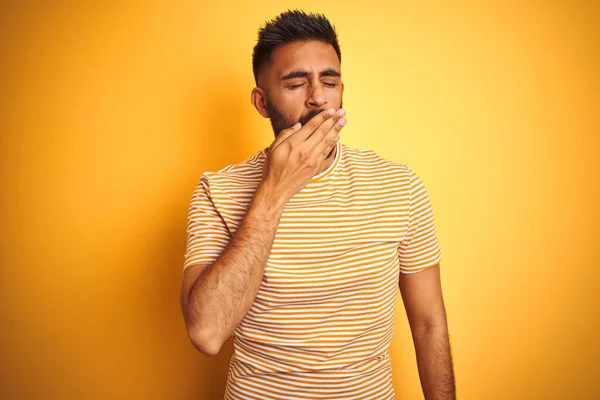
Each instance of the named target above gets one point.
<point>268,197</point>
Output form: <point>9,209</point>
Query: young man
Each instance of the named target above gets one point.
<point>299,250</point>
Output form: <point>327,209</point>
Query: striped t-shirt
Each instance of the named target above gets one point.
<point>321,323</point>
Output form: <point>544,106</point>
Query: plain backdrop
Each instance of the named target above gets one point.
<point>111,110</point>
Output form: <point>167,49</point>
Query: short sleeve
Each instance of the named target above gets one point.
<point>207,233</point>
<point>419,250</point>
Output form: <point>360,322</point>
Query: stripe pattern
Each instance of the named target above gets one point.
<point>322,320</point>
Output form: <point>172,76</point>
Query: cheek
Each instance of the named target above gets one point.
<point>291,97</point>
<point>292,105</point>
<point>338,93</point>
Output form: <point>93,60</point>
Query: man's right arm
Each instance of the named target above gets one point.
<point>216,297</point>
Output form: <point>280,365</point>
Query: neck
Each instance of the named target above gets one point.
<point>329,160</point>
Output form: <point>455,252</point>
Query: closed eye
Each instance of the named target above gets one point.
<point>330,85</point>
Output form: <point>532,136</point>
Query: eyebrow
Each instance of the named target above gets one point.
<point>299,73</point>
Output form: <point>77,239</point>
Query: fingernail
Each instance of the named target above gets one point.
<point>342,112</point>
<point>297,126</point>
<point>342,121</point>
<point>331,111</point>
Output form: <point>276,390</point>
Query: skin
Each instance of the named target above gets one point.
<point>424,304</point>
<point>215,298</point>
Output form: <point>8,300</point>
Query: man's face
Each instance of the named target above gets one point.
<point>303,79</point>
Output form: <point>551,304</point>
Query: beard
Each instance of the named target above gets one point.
<point>279,121</point>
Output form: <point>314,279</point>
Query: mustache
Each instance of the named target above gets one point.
<point>303,120</point>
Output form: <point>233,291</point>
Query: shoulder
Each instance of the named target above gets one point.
<point>376,165</point>
<point>243,173</point>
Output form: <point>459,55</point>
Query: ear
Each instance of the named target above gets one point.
<point>259,100</point>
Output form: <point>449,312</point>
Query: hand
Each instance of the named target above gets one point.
<point>298,153</point>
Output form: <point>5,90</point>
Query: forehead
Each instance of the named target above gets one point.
<point>313,56</point>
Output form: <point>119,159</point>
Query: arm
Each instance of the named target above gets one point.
<point>422,296</point>
<point>216,297</point>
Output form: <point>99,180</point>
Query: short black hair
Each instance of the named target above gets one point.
<point>291,26</point>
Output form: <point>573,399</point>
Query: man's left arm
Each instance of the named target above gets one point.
<point>422,296</point>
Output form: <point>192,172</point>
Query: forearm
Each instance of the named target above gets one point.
<point>224,292</point>
<point>434,362</point>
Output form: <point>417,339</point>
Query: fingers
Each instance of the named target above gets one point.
<point>313,136</point>
<point>284,134</point>
<point>329,141</point>
<point>313,141</point>
<point>311,126</point>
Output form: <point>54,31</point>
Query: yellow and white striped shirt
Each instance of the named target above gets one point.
<point>322,320</point>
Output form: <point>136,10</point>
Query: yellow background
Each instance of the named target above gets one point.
<point>110,112</point>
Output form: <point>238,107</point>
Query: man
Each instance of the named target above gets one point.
<point>299,250</point>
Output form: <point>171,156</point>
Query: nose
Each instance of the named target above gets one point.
<point>316,98</point>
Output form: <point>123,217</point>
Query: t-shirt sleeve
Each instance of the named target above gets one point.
<point>419,250</point>
<point>207,233</point>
